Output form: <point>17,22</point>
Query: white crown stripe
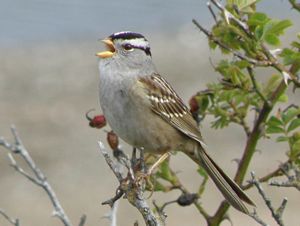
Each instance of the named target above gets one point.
<point>138,42</point>
<point>121,32</point>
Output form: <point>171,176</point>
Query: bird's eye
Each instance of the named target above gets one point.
<point>128,47</point>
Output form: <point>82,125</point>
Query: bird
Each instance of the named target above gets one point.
<point>144,110</point>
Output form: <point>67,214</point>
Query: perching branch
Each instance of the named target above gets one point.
<point>38,178</point>
<point>132,187</point>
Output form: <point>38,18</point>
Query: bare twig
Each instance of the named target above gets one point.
<point>287,184</point>
<point>293,180</point>
<point>38,178</point>
<point>257,218</point>
<point>276,173</point>
<point>14,164</point>
<point>132,187</point>
<point>276,214</point>
<point>111,201</point>
<point>14,222</point>
<point>112,215</point>
<point>212,12</point>
<point>110,162</point>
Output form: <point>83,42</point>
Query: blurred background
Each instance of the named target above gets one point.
<point>49,79</point>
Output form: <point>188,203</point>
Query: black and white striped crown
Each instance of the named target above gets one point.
<point>136,40</point>
<point>127,35</point>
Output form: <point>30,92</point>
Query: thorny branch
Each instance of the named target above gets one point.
<point>235,53</point>
<point>132,187</point>
<point>269,60</point>
<point>38,178</point>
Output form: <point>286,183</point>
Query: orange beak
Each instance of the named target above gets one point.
<point>110,49</point>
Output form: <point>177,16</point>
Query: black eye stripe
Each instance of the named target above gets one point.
<point>146,50</point>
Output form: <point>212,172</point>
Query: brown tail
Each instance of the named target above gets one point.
<point>231,191</point>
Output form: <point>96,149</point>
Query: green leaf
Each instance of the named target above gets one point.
<point>272,39</point>
<point>203,102</point>
<point>212,44</point>
<point>272,29</point>
<point>283,98</point>
<point>294,124</point>
<point>282,139</point>
<point>258,19</point>
<point>165,172</point>
<point>242,64</point>
<point>295,44</point>
<point>290,114</point>
<point>158,187</point>
<point>279,26</point>
<point>296,148</point>
<point>274,121</point>
<point>259,31</point>
<point>243,5</point>
<point>290,56</point>
<point>202,171</point>
<point>235,78</point>
<point>273,82</point>
<point>275,129</point>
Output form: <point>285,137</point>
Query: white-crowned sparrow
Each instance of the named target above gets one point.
<point>144,110</point>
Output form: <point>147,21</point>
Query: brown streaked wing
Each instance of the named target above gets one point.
<point>167,104</point>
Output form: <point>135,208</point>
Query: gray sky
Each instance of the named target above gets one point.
<point>25,22</point>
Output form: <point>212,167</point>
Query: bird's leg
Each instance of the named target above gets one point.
<point>133,158</point>
<point>142,161</point>
<point>158,162</point>
<point>145,175</point>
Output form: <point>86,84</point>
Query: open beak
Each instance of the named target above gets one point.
<point>110,49</point>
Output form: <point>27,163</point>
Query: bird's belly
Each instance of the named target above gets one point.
<point>130,123</point>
